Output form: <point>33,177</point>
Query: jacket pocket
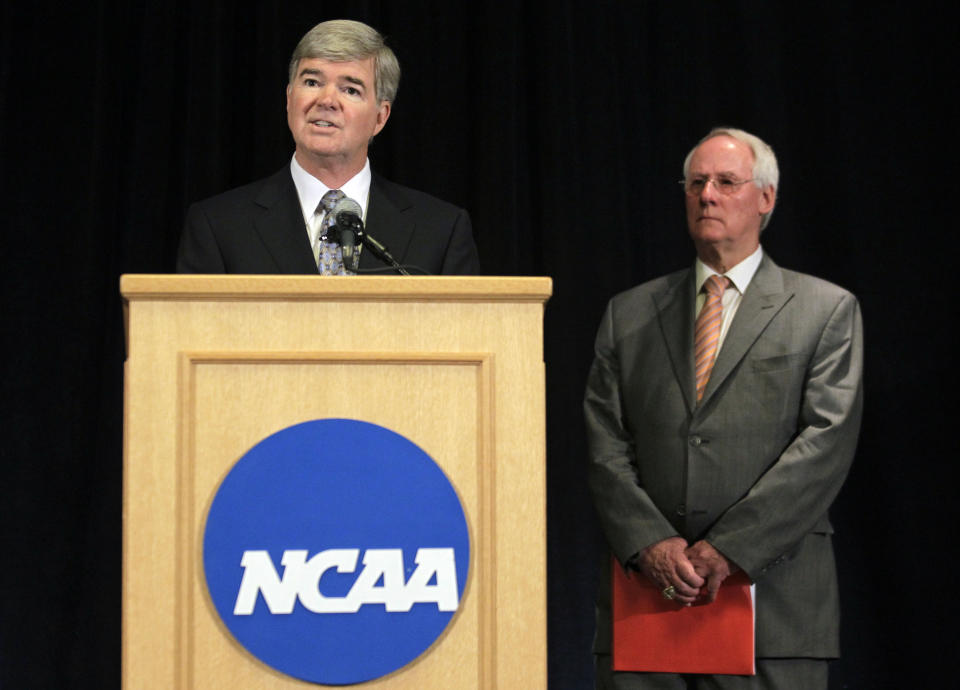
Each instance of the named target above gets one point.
<point>788,361</point>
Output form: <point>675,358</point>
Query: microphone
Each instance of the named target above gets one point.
<point>381,252</point>
<point>348,231</point>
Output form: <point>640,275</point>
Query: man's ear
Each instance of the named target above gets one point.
<point>768,199</point>
<point>383,114</point>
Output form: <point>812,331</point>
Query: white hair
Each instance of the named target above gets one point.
<point>343,40</point>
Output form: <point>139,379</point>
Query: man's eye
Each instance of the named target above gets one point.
<point>351,91</point>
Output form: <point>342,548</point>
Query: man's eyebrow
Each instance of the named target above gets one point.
<point>719,173</point>
<point>314,71</point>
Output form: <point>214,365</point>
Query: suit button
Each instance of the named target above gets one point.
<point>696,441</point>
<point>681,510</point>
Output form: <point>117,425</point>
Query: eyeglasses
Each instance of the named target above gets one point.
<point>723,184</point>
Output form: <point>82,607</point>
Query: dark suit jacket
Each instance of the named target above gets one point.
<point>754,468</point>
<point>259,229</point>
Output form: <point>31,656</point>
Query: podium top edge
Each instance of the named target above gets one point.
<point>339,288</point>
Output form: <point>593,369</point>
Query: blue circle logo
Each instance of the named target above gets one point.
<point>336,551</point>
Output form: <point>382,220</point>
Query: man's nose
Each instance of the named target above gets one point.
<point>327,95</point>
<point>709,191</point>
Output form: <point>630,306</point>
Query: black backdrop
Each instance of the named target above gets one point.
<point>562,129</point>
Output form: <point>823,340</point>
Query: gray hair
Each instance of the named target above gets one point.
<point>766,173</point>
<point>344,40</point>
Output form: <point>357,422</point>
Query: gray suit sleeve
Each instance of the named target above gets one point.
<point>795,493</point>
<point>627,514</point>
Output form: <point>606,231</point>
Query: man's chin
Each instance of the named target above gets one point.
<point>319,152</point>
<point>707,230</point>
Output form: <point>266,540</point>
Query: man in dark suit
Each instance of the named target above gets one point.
<point>721,426</point>
<point>342,82</point>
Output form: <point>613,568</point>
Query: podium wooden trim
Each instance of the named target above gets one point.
<point>214,364</point>
<point>340,288</point>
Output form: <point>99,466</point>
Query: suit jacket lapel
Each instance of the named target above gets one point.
<point>281,226</point>
<point>387,221</point>
<point>675,306</point>
<point>761,302</point>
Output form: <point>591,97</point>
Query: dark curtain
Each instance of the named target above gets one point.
<point>562,129</point>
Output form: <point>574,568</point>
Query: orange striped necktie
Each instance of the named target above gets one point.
<point>706,332</point>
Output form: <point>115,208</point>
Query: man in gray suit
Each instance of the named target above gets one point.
<point>725,454</point>
<point>343,79</point>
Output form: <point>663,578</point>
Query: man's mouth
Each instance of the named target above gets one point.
<point>322,123</point>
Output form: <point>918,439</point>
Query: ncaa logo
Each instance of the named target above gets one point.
<point>336,551</point>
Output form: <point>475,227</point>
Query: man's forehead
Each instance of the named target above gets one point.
<point>722,152</point>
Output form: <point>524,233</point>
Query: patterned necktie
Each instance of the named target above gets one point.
<point>706,332</point>
<point>331,258</point>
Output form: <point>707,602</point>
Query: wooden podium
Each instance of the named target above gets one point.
<point>217,363</point>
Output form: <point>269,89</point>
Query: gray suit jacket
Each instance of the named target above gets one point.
<point>754,467</point>
<point>259,229</point>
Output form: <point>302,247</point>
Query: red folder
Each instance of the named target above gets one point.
<point>651,633</point>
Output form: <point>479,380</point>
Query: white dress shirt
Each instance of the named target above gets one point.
<point>310,190</point>
<point>740,277</point>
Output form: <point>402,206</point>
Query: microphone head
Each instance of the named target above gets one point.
<point>348,220</point>
<point>348,231</point>
<point>347,205</point>
<point>348,214</point>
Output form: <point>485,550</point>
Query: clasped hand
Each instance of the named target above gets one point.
<point>695,572</point>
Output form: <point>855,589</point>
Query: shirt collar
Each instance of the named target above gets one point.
<point>740,275</point>
<point>310,190</point>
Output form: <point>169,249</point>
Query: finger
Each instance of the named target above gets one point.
<point>687,573</point>
<point>684,591</point>
<point>677,597</point>
<point>713,586</point>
